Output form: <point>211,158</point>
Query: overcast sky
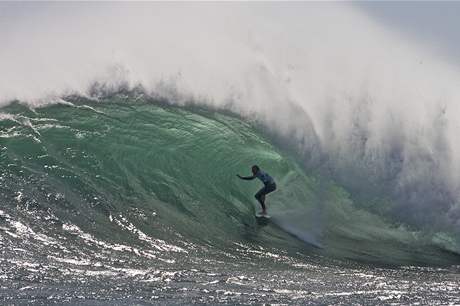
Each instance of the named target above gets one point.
<point>435,23</point>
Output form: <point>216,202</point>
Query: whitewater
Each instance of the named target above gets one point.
<point>123,126</point>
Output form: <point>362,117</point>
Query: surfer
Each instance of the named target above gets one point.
<point>269,185</point>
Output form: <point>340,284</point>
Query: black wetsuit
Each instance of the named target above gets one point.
<point>269,184</point>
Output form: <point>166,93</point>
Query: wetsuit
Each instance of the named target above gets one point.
<point>269,184</point>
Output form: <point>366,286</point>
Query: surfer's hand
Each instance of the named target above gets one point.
<point>238,175</point>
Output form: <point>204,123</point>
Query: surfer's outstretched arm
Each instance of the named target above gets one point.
<point>248,178</point>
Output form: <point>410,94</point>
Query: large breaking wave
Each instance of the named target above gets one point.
<point>321,103</point>
<point>127,167</point>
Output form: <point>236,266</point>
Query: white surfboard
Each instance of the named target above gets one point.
<point>262,216</point>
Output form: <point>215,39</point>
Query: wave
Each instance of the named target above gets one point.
<point>376,120</point>
<point>127,170</point>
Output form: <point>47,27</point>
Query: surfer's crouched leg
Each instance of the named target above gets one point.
<point>263,191</point>
<point>260,195</point>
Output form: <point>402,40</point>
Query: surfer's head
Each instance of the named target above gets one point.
<point>255,169</point>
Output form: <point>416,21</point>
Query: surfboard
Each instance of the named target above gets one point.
<point>261,216</point>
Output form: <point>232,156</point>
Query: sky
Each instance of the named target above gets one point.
<point>435,24</point>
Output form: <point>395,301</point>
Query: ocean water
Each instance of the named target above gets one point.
<point>127,199</point>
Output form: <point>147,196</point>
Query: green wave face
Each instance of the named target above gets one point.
<point>125,171</point>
